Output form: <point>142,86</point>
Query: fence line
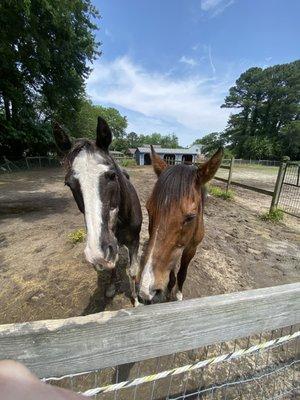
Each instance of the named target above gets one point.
<point>74,345</point>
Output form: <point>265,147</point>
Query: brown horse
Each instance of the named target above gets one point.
<point>176,226</point>
<point>107,199</point>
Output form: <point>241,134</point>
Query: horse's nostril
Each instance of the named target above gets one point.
<point>158,297</point>
<point>109,252</point>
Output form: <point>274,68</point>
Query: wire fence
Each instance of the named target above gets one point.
<point>264,366</point>
<point>289,199</point>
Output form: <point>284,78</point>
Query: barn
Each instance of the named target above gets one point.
<point>142,154</point>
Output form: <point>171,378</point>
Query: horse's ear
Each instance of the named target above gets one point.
<point>207,171</point>
<point>104,135</point>
<point>158,163</point>
<point>62,140</point>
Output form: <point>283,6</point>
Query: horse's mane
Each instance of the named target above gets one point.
<point>173,184</point>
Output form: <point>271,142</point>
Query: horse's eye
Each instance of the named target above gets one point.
<point>68,183</point>
<point>111,175</point>
<point>189,217</point>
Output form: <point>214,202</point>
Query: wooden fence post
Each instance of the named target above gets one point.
<point>230,174</point>
<point>27,162</point>
<point>278,184</point>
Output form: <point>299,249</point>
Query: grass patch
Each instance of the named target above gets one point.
<point>77,236</point>
<point>218,192</point>
<point>273,216</point>
<point>128,162</point>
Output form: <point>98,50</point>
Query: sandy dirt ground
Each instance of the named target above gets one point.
<point>43,275</point>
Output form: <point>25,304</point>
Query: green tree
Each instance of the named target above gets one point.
<point>210,143</point>
<point>86,121</point>
<point>169,141</point>
<point>44,49</point>
<point>134,140</point>
<point>268,100</point>
<point>290,137</point>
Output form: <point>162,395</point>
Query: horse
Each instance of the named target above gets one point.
<point>104,194</point>
<point>176,227</point>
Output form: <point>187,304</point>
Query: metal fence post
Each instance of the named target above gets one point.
<point>230,174</point>
<point>278,184</point>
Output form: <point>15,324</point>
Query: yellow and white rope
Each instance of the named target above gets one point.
<point>191,367</point>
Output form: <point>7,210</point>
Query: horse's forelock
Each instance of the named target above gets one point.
<point>172,186</point>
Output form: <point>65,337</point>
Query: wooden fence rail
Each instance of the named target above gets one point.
<point>73,345</point>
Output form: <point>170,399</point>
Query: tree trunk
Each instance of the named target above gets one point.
<point>7,109</point>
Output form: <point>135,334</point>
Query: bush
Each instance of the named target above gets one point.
<point>128,162</point>
<point>218,192</point>
<point>273,216</point>
<point>77,236</point>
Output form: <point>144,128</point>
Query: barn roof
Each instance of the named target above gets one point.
<point>161,150</point>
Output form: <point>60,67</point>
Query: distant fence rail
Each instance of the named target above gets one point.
<point>78,350</point>
<point>39,162</point>
<point>28,163</point>
<point>268,163</point>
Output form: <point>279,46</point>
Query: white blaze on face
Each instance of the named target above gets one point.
<point>88,167</point>
<point>147,278</point>
<point>113,215</point>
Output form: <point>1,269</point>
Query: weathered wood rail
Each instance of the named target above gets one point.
<point>244,186</point>
<point>73,345</point>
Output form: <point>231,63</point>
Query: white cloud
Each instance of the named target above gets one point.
<point>108,33</point>
<point>189,61</point>
<point>190,103</point>
<point>216,7</point>
<point>211,60</point>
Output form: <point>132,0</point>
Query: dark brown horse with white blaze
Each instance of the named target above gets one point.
<point>106,197</point>
<point>176,226</point>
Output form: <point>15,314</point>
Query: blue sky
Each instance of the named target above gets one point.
<point>168,64</point>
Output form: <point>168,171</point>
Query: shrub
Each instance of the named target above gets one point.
<point>275,215</point>
<point>77,236</point>
<point>218,192</point>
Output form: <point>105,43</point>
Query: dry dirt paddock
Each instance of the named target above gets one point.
<point>43,275</point>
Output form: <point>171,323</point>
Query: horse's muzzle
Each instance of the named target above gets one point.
<point>99,262</point>
<point>158,297</point>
